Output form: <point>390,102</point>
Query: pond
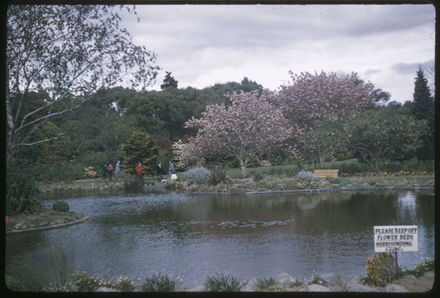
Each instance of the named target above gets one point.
<point>191,236</point>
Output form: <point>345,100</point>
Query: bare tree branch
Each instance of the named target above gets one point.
<point>40,141</point>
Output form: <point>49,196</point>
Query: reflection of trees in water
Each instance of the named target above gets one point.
<point>310,213</point>
<point>35,270</point>
<point>406,204</point>
<point>21,242</point>
<point>425,208</point>
<point>345,212</point>
<point>305,202</point>
<point>416,207</point>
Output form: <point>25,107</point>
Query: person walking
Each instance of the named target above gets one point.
<point>171,168</point>
<point>159,172</point>
<point>139,174</point>
<point>110,170</point>
<point>118,168</point>
<point>104,171</point>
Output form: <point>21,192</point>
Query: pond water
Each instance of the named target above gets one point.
<point>193,236</point>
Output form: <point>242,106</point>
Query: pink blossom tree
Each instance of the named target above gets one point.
<point>248,124</point>
<point>313,97</point>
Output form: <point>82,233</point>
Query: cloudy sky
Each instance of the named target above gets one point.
<point>206,44</point>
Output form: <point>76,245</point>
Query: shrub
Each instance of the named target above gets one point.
<point>21,190</point>
<point>257,177</point>
<point>222,283</point>
<point>342,181</point>
<point>159,283</point>
<point>87,283</point>
<point>291,184</point>
<point>90,172</point>
<point>266,284</point>
<point>60,206</point>
<point>198,175</point>
<point>381,269</point>
<point>68,287</point>
<point>318,280</point>
<point>267,184</point>
<point>123,284</point>
<point>306,175</point>
<point>218,174</point>
<point>296,283</point>
<point>351,168</point>
<point>424,266</point>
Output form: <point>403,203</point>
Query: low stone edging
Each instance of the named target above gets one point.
<point>84,218</point>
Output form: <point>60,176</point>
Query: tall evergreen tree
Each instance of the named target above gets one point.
<point>423,109</point>
<point>169,81</point>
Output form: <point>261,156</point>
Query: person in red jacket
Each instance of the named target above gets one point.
<point>139,173</point>
<point>110,170</point>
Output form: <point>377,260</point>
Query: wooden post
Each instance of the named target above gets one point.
<point>397,264</point>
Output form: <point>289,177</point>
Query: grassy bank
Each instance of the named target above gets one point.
<point>352,174</point>
<point>263,183</point>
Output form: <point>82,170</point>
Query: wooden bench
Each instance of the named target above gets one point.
<point>326,173</point>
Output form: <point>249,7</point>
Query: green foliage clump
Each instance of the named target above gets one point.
<point>307,176</point>
<point>60,206</point>
<point>257,177</point>
<point>66,287</point>
<point>124,284</point>
<point>21,190</point>
<point>266,284</point>
<point>296,283</point>
<point>291,184</point>
<point>381,269</point>
<point>198,175</point>
<point>424,266</point>
<point>159,283</point>
<point>217,175</point>
<point>342,181</point>
<point>318,280</point>
<point>87,283</point>
<point>222,283</point>
<point>267,184</point>
<point>141,147</point>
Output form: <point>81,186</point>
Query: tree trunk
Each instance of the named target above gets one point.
<point>243,167</point>
<point>9,129</point>
<point>321,161</point>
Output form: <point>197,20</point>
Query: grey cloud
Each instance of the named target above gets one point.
<point>372,71</point>
<point>231,26</point>
<point>392,18</point>
<point>411,68</point>
<point>249,26</point>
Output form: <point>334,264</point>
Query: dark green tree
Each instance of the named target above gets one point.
<point>423,109</point>
<point>157,112</point>
<point>141,147</point>
<point>169,81</point>
<point>382,133</point>
<point>328,137</point>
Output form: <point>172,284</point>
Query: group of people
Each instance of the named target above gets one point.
<point>109,171</point>
<point>160,172</point>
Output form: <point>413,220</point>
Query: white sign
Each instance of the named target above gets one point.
<point>395,238</point>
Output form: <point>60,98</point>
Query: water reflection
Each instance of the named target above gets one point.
<point>194,236</point>
<point>406,203</point>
